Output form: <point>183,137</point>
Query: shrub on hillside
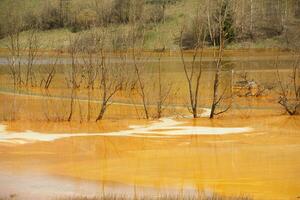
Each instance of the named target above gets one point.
<point>85,19</point>
<point>125,11</point>
<point>153,14</point>
<point>199,27</point>
<point>121,10</point>
<point>50,17</point>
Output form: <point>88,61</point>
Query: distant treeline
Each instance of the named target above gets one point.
<point>249,20</point>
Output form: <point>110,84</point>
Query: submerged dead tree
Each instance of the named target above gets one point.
<point>48,73</point>
<point>32,51</point>
<point>91,59</point>
<point>13,29</point>
<point>141,84</point>
<point>111,81</point>
<point>75,77</point>
<point>163,85</point>
<point>289,92</point>
<point>164,89</point>
<point>219,29</point>
<point>194,72</point>
<point>111,78</point>
<point>137,39</point>
<point>14,59</point>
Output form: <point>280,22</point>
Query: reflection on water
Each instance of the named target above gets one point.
<point>263,164</point>
<point>32,185</point>
<point>163,157</point>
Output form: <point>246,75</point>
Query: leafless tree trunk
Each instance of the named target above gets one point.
<point>91,77</point>
<point>32,50</point>
<point>14,58</point>
<point>12,28</point>
<point>111,81</point>
<point>47,80</point>
<point>138,33</point>
<point>163,89</point>
<point>48,73</point>
<point>75,77</point>
<point>218,98</point>
<point>91,50</point>
<point>193,74</point>
<point>141,85</point>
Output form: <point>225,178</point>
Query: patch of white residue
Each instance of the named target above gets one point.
<point>163,128</point>
<point>2,128</point>
<point>206,112</point>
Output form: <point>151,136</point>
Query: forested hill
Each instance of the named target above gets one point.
<point>250,23</point>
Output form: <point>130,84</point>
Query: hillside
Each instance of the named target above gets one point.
<point>157,33</point>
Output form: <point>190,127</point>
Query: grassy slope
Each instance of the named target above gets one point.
<point>162,35</point>
<point>155,37</point>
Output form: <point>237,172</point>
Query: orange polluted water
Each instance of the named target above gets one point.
<point>262,162</point>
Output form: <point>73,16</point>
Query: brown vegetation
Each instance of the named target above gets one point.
<point>289,91</point>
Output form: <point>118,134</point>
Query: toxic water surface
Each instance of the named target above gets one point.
<point>259,159</point>
<point>259,65</point>
<point>262,163</point>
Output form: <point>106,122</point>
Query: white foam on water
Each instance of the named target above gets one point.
<point>2,128</point>
<point>206,112</point>
<point>164,128</point>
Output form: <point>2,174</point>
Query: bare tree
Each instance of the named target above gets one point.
<point>111,80</point>
<point>14,58</point>
<point>137,38</point>
<point>164,89</point>
<point>138,67</point>
<point>289,95</point>
<point>13,29</point>
<point>32,50</point>
<point>110,76</point>
<point>75,76</point>
<point>48,76</point>
<point>48,73</point>
<point>193,73</point>
<point>93,43</point>
<point>219,30</point>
